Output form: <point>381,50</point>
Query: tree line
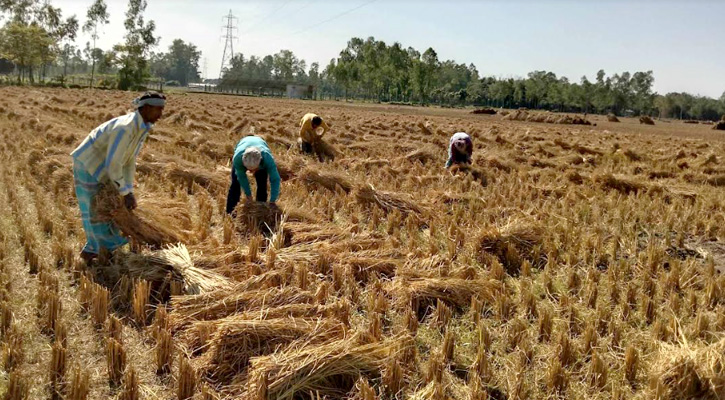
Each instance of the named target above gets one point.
<point>372,70</point>
<point>39,42</point>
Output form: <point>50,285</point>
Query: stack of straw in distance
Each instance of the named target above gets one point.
<point>151,224</point>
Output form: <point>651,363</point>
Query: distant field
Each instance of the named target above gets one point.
<point>571,262</point>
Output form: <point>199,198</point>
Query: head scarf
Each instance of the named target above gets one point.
<point>156,100</point>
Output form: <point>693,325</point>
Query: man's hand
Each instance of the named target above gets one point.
<point>129,201</point>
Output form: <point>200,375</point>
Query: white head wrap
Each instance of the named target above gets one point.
<point>252,157</point>
<point>152,101</point>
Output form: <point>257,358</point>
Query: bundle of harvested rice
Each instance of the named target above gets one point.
<point>475,172</point>
<point>609,181</point>
<point>197,335</point>
<point>387,201</point>
<point>259,216</point>
<point>222,303</point>
<point>151,224</point>
<point>719,126</point>
<point>612,118</point>
<point>190,175</point>
<point>236,341</point>
<point>425,292</point>
<point>691,371</point>
<point>646,120</point>
<point>311,233</point>
<point>512,245</point>
<point>175,260</point>
<point>423,156</point>
<point>329,371</point>
<point>484,111</point>
<point>324,150</point>
<point>329,180</point>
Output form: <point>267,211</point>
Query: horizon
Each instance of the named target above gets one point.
<point>482,34</point>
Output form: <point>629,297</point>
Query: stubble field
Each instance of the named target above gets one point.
<point>571,262</point>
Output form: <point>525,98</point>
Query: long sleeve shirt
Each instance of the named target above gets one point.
<point>267,164</point>
<point>110,150</point>
<point>455,156</point>
<point>307,134</point>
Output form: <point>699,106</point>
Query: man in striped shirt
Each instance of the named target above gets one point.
<point>108,155</point>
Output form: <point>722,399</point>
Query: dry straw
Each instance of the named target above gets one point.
<point>330,370</point>
<point>174,260</point>
<point>144,225</point>
<point>512,245</point>
<point>691,371</point>
<point>387,201</point>
<point>328,180</point>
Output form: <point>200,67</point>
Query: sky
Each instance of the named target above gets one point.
<point>680,41</point>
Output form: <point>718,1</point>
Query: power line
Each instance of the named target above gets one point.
<point>266,17</point>
<point>332,18</point>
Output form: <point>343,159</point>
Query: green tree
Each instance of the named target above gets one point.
<point>183,62</point>
<point>24,45</point>
<point>97,15</point>
<point>133,54</point>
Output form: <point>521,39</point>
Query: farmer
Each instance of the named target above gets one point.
<point>252,154</point>
<point>108,155</point>
<point>308,132</point>
<point>460,149</point>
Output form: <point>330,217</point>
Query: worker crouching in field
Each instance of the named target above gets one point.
<point>460,150</point>
<point>252,154</point>
<point>109,154</point>
<point>312,128</point>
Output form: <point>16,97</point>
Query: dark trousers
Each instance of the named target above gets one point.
<point>306,147</point>
<point>235,189</point>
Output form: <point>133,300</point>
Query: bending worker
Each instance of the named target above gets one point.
<point>109,154</point>
<point>252,154</point>
<point>460,149</point>
<point>308,132</point>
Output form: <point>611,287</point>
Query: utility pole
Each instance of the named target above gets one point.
<point>229,37</point>
<point>205,75</point>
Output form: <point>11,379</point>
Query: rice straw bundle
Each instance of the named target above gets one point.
<point>363,267</point>
<point>423,156</point>
<point>512,244</point>
<point>175,260</point>
<point>329,180</point>
<point>259,216</point>
<point>329,370</point>
<point>387,201</point>
<point>222,303</point>
<point>477,173</point>
<point>691,371</point>
<point>149,223</point>
<point>236,341</point>
<point>189,175</point>
<point>609,181</point>
<point>324,150</point>
<point>197,335</point>
<point>455,292</point>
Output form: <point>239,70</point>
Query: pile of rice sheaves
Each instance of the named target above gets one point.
<point>329,370</point>
<point>150,223</point>
<point>175,260</point>
<point>691,371</point>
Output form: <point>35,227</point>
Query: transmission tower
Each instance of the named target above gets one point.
<point>231,29</point>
